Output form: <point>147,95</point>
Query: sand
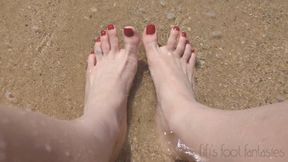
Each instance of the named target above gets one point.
<point>242,48</point>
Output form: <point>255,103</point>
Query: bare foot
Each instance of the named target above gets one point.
<point>171,67</point>
<point>110,74</point>
<point>99,134</point>
<point>201,132</point>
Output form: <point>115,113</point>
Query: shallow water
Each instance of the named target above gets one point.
<point>242,50</point>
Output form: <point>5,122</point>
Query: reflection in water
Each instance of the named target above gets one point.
<point>181,149</point>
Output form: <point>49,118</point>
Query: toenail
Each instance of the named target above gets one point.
<point>150,29</point>
<point>110,27</point>
<point>98,39</point>
<point>193,50</point>
<point>128,32</point>
<point>176,28</point>
<point>103,32</point>
<point>187,42</point>
<point>92,52</point>
<point>184,34</point>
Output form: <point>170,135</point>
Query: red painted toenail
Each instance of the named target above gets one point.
<point>184,34</point>
<point>150,29</point>
<point>128,32</point>
<point>193,50</point>
<point>103,32</point>
<point>176,28</point>
<point>110,27</point>
<point>92,52</point>
<point>98,39</point>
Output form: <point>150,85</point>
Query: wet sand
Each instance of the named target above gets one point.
<point>242,48</point>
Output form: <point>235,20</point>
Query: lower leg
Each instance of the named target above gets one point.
<point>193,125</point>
<point>204,129</point>
<point>33,137</point>
<point>99,134</point>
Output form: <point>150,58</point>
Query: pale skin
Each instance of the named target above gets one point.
<point>198,125</point>
<point>95,137</point>
<point>99,134</point>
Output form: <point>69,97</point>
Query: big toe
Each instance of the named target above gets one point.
<point>131,39</point>
<point>150,39</point>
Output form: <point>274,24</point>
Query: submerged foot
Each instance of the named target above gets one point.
<point>110,74</point>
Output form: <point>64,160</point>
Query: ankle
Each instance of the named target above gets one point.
<point>175,107</point>
<point>187,111</point>
<point>98,137</point>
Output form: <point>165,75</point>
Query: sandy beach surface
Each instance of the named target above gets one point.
<point>242,48</point>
